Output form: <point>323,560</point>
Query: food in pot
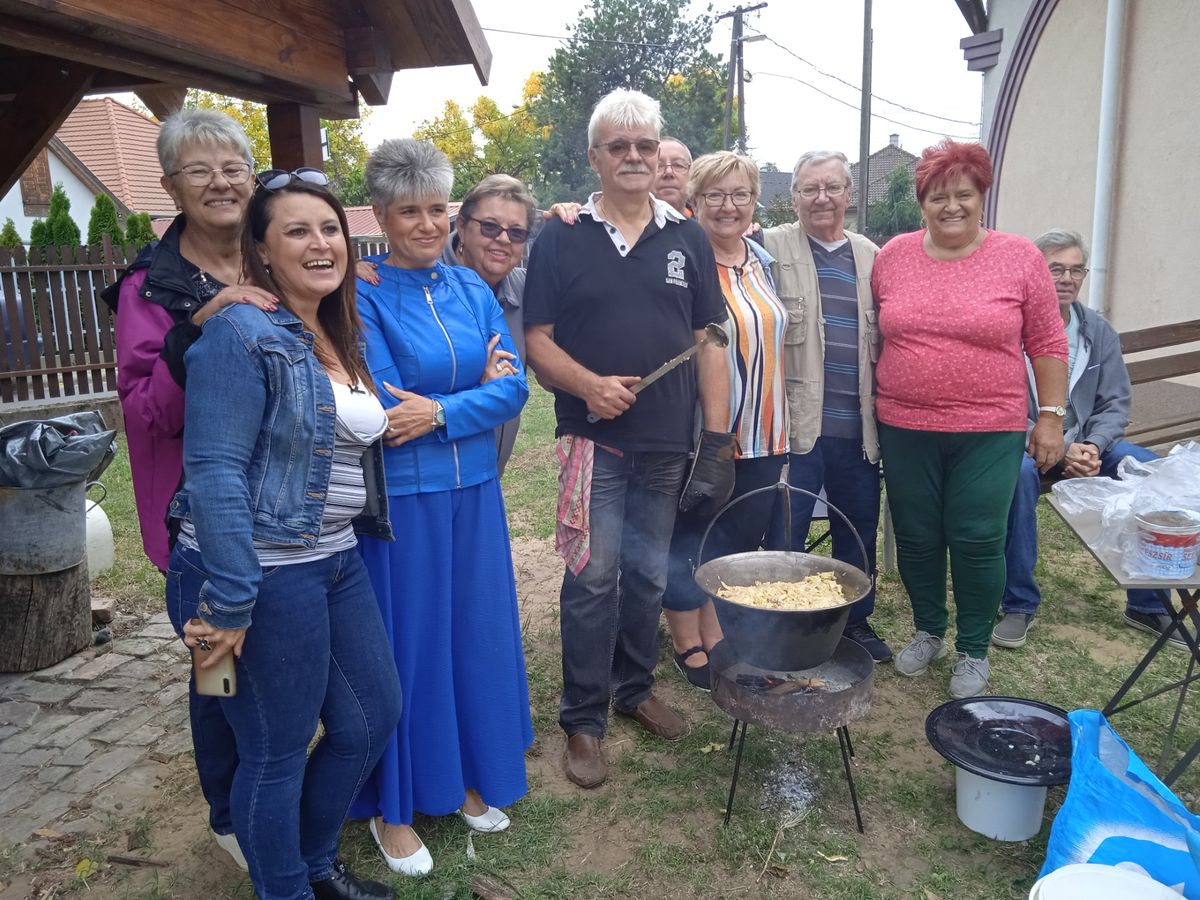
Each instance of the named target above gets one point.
<point>819,591</point>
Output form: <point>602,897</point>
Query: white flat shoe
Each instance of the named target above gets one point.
<point>229,843</point>
<point>415,864</point>
<point>491,821</point>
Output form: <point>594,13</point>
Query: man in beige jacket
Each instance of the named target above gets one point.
<point>823,276</point>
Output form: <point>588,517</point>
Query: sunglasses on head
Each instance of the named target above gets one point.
<point>274,179</point>
<point>491,230</point>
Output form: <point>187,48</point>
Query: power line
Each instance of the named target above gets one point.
<point>807,84</point>
<point>568,37</point>
<point>856,87</point>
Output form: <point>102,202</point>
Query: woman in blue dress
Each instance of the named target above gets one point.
<point>441,356</point>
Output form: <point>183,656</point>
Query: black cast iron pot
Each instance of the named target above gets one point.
<point>775,639</point>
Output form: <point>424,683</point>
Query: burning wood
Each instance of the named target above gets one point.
<point>778,687</point>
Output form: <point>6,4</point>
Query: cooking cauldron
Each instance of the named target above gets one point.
<point>778,639</point>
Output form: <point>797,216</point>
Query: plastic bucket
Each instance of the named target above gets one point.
<point>42,529</point>
<point>1005,812</point>
<point>1089,881</point>
<point>1167,543</point>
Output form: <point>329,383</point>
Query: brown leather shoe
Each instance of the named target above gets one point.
<point>658,718</point>
<point>584,761</point>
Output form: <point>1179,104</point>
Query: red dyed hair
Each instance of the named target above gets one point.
<point>948,160</point>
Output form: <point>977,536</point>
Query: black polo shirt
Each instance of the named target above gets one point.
<point>626,315</point>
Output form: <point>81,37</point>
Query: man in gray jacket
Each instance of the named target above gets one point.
<point>1094,423</point>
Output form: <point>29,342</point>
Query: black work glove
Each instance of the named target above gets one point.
<point>710,481</point>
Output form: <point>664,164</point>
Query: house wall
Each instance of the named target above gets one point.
<point>1049,168</point>
<point>78,193</point>
<point>1006,14</point>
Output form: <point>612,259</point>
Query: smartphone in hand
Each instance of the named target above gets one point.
<point>219,680</point>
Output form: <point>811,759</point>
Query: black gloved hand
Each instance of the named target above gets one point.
<point>710,481</point>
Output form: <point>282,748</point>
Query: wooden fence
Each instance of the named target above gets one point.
<point>56,334</point>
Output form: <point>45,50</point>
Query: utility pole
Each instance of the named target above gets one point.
<point>864,126</point>
<point>737,78</point>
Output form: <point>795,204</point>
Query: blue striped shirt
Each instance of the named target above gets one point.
<point>841,410</point>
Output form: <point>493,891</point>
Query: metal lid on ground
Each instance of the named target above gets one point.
<point>1007,739</point>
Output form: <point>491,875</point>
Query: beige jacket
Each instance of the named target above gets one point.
<point>795,276</point>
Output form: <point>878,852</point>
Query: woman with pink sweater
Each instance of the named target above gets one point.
<point>960,308</point>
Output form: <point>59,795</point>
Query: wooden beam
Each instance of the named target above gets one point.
<point>50,91</point>
<point>242,51</point>
<point>295,133</point>
<point>367,51</point>
<point>373,88</point>
<point>164,100</point>
<point>423,33</point>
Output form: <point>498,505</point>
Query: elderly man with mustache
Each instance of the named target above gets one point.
<point>606,301</point>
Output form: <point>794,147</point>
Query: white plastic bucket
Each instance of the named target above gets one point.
<point>1005,812</point>
<point>1167,541</point>
<point>1089,881</point>
<point>101,553</point>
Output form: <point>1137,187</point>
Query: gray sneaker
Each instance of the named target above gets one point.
<point>969,678</point>
<point>1011,630</point>
<point>916,657</point>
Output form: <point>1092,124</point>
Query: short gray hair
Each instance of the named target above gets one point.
<point>409,169</point>
<point>625,109</point>
<point>199,126</point>
<point>1061,239</point>
<point>686,149</point>
<point>503,187</point>
<point>816,157</point>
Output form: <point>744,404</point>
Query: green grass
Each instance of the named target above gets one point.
<point>654,830</point>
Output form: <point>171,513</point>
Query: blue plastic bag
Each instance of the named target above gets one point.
<point>1117,812</point>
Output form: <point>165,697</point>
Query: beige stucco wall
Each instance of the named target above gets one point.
<point>1049,166</point>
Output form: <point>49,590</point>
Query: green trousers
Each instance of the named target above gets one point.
<point>951,491</point>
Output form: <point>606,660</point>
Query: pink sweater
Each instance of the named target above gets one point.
<point>955,334</point>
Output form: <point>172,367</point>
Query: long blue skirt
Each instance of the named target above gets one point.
<point>449,603</point>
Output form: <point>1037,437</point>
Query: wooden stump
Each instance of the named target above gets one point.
<point>44,618</point>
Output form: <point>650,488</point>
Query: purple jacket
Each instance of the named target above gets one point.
<point>153,302</point>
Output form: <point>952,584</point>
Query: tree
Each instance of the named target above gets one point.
<point>61,230</point>
<point>346,152</point>
<point>778,212</point>
<point>898,211</point>
<point>39,233</point>
<point>648,45</point>
<point>491,142</point>
<point>103,220</point>
<point>9,236</point>
<point>138,230</point>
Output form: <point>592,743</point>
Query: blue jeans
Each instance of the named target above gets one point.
<point>316,651</point>
<point>1021,594</point>
<point>851,483</point>
<point>215,749</point>
<point>609,625</point>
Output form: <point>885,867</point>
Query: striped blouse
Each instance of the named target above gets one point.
<point>757,321</point>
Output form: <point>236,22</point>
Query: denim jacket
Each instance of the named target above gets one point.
<point>257,452</point>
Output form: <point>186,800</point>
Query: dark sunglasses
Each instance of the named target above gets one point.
<point>489,229</point>
<point>274,179</point>
<point>620,148</point>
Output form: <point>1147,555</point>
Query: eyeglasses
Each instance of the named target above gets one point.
<point>619,148</point>
<point>716,199</point>
<point>199,176</point>
<point>1078,273</point>
<point>812,192</point>
<point>490,229</point>
<point>679,166</point>
<point>274,179</point>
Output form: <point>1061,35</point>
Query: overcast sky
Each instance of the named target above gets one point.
<point>917,64</point>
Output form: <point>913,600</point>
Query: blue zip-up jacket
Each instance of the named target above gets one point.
<point>259,419</point>
<point>426,332</point>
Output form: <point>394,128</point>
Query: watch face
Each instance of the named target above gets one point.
<point>439,415</point>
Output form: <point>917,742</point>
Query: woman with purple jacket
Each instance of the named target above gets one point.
<point>160,302</point>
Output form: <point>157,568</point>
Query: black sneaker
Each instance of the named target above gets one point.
<point>341,885</point>
<point>1156,624</point>
<point>864,635</point>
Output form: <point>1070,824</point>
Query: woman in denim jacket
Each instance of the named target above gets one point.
<point>281,452</point>
<point>437,344</point>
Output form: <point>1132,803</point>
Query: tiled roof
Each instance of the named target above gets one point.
<point>773,185</point>
<point>882,164</point>
<point>117,144</point>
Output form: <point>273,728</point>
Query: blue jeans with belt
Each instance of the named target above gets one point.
<point>609,625</point>
<point>1021,594</point>
<point>315,652</point>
